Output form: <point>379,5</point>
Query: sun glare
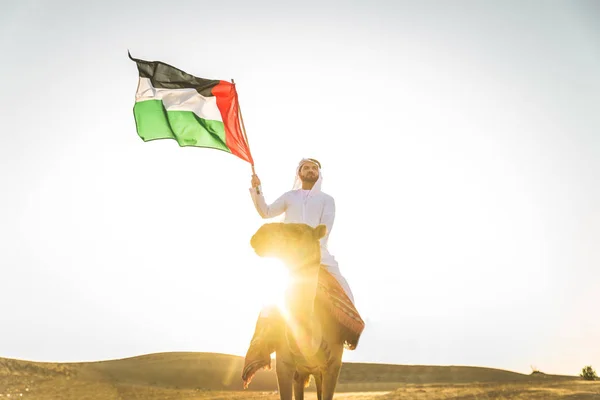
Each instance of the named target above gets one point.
<point>274,279</point>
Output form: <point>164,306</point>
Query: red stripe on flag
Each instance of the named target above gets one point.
<point>227,102</point>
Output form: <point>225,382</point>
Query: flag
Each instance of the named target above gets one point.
<point>172,104</point>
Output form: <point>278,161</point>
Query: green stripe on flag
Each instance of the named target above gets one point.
<point>154,122</point>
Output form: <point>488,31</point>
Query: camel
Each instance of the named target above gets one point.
<point>310,342</point>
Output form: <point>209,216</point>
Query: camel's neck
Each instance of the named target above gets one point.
<point>304,259</point>
<point>304,266</point>
<point>303,289</point>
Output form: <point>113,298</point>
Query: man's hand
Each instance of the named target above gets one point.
<point>255,181</point>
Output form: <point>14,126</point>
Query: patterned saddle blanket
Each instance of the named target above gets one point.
<point>333,298</point>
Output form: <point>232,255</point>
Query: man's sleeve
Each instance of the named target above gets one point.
<point>328,215</point>
<point>265,210</point>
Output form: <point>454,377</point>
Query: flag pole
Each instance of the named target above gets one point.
<point>258,189</point>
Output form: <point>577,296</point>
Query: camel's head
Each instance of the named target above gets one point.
<point>295,244</point>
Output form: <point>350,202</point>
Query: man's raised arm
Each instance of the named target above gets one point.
<point>265,210</point>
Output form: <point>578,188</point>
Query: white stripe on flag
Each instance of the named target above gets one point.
<point>180,100</point>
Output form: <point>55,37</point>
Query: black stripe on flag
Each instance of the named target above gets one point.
<point>165,76</point>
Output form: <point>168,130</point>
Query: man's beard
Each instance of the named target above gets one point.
<point>309,177</point>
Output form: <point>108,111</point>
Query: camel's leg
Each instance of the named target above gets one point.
<point>330,378</point>
<point>299,382</point>
<point>319,384</point>
<point>285,379</point>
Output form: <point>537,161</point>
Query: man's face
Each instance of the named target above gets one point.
<point>309,172</point>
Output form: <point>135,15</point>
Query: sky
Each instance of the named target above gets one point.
<point>460,140</point>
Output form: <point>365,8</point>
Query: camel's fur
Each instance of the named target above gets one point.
<point>312,343</point>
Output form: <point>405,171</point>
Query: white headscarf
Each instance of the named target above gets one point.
<point>298,182</point>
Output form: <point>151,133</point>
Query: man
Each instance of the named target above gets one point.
<point>307,204</point>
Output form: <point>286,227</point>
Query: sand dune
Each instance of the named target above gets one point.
<point>217,376</point>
